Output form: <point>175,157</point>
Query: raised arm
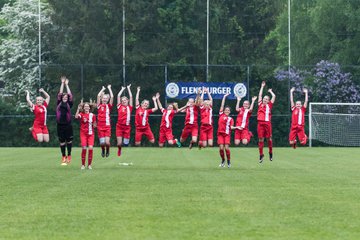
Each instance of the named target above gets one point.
<point>119,95</point>
<point>306,97</point>
<point>261,91</point>
<point>137,103</point>
<point>273,96</point>
<point>237,108</point>
<point>80,106</point>
<point>155,104</point>
<point>209,96</point>
<point>198,98</point>
<point>28,98</point>
<point>111,94</point>
<point>99,95</point>
<point>252,103</point>
<point>223,103</point>
<point>292,97</point>
<point>130,95</point>
<point>182,109</point>
<point>67,86</point>
<point>63,79</point>
<point>158,101</point>
<point>47,96</point>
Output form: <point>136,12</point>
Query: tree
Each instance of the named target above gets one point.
<point>19,51</point>
<point>320,29</point>
<point>332,85</point>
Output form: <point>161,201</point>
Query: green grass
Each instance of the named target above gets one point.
<point>181,194</point>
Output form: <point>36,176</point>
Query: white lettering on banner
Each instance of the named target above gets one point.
<point>213,90</point>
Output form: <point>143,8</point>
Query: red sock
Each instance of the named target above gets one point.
<point>270,145</point>
<point>222,154</point>
<point>261,147</point>
<point>90,157</point>
<point>227,154</point>
<point>83,156</point>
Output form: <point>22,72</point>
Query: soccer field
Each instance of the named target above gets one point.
<point>181,194</point>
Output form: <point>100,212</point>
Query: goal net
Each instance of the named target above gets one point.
<point>335,123</point>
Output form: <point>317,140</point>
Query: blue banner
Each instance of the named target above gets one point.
<point>182,90</point>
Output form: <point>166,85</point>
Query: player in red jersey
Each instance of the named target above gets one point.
<point>225,125</point>
<point>264,128</point>
<point>123,127</point>
<point>191,121</point>
<point>298,119</point>
<point>142,126</point>
<point>206,127</point>
<point>104,106</point>
<point>39,129</point>
<point>165,133</point>
<point>87,135</point>
<point>243,134</point>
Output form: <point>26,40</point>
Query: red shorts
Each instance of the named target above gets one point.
<point>298,131</point>
<point>223,139</point>
<point>264,129</point>
<point>39,130</point>
<point>165,134</point>
<point>190,129</point>
<point>123,130</point>
<point>206,132</point>
<point>86,139</point>
<point>243,134</point>
<point>104,132</point>
<point>143,131</point>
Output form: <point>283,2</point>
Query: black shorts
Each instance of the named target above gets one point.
<point>65,133</point>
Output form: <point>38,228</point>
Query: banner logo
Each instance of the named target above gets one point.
<point>172,90</point>
<point>240,90</point>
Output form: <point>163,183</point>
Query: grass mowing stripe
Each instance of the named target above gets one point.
<point>180,194</point>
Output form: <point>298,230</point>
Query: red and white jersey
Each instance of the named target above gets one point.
<point>191,116</point>
<point>142,116</point>
<point>225,123</point>
<point>206,115</point>
<point>264,111</point>
<point>86,123</point>
<point>298,116</point>
<point>167,118</point>
<point>243,117</point>
<point>104,114</point>
<point>40,113</point>
<point>124,114</point>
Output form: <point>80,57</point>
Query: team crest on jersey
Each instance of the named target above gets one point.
<point>85,120</point>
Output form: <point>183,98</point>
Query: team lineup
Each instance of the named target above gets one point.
<point>194,107</point>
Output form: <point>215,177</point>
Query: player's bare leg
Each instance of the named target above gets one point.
<point>237,142</point>
<point>210,142</point>
<point>40,137</point>
<point>46,137</point>
<point>245,142</point>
